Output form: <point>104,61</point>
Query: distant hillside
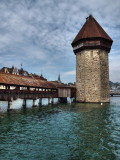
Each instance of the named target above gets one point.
<point>115,85</point>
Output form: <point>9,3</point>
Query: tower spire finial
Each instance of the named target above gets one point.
<point>21,65</point>
<point>90,16</point>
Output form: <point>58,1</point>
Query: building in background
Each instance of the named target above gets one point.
<point>21,72</point>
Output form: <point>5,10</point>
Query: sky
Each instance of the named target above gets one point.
<point>38,34</point>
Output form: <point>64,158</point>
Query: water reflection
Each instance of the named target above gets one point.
<point>92,132</point>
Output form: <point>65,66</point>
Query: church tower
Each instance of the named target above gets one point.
<point>59,80</point>
<point>91,47</point>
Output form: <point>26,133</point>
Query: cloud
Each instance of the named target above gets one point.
<point>70,73</point>
<point>39,33</point>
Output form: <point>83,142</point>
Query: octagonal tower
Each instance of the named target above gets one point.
<point>91,47</point>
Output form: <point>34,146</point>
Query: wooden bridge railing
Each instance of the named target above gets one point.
<point>7,95</point>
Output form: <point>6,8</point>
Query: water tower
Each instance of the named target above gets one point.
<point>91,47</point>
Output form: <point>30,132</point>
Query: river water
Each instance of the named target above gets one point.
<point>62,132</point>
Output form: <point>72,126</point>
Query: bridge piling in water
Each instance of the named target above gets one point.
<point>34,103</point>
<point>9,106</point>
<point>50,100</point>
<point>24,103</point>
<point>40,101</point>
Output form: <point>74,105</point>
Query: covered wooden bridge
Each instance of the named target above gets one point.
<point>13,87</point>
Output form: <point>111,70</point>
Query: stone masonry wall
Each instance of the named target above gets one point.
<point>92,76</point>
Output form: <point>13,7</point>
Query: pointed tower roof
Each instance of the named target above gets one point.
<point>91,29</point>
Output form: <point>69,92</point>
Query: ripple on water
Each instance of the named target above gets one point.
<point>68,132</point>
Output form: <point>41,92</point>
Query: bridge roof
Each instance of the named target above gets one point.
<point>91,29</point>
<point>57,84</point>
<point>17,80</point>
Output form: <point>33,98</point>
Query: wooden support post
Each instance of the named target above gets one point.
<point>9,105</point>
<point>50,100</point>
<point>40,101</point>
<point>34,103</point>
<point>9,87</point>
<point>24,103</point>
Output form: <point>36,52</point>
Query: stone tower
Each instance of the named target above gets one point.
<point>91,47</point>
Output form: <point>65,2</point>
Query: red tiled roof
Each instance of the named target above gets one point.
<point>57,84</point>
<point>7,78</point>
<point>61,85</point>
<point>91,29</point>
